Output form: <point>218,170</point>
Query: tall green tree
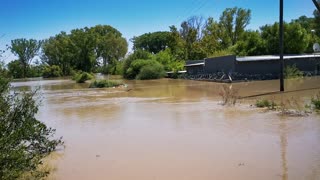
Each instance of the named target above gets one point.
<point>233,22</point>
<point>84,45</point>
<point>251,44</point>
<point>152,42</point>
<point>60,51</point>
<point>296,38</point>
<point>26,50</point>
<point>110,45</point>
<point>211,40</point>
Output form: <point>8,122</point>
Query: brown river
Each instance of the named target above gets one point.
<point>178,130</point>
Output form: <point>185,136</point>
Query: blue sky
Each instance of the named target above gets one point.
<point>40,19</point>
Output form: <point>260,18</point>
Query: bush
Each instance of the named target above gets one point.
<point>51,71</point>
<point>24,140</point>
<point>105,84</point>
<point>291,72</point>
<point>316,102</point>
<point>138,54</point>
<point>266,104</point>
<point>15,69</point>
<point>136,66</point>
<point>154,71</point>
<point>82,77</point>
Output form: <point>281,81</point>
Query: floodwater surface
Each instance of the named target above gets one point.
<point>177,130</point>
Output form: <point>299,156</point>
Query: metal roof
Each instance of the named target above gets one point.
<point>270,57</point>
<point>195,64</point>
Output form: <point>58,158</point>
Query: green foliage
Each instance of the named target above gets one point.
<point>24,140</point>
<point>113,69</point>
<point>105,84</point>
<point>81,49</point>
<point>169,62</point>
<point>26,50</point>
<point>152,42</point>
<point>251,44</point>
<point>52,71</point>
<point>3,71</point>
<point>151,71</point>
<point>315,101</point>
<point>138,54</point>
<point>233,22</point>
<point>15,69</point>
<point>266,104</point>
<point>291,72</point>
<point>219,53</point>
<point>60,51</point>
<point>82,77</point>
<point>296,38</point>
<point>110,45</point>
<point>137,65</point>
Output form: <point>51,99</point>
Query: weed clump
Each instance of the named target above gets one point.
<point>105,84</point>
<point>266,104</point>
<point>315,102</point>
<point>229,95</point>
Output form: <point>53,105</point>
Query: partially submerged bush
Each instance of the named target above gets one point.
<point>82,77</point>
<point>266,104</point>
<point>105,84</point>
<point>153,71</point>
<point>291,72</point>
<point>51,71</point>
<point>315,101</point>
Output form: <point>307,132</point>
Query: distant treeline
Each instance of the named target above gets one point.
<point>103,49</point>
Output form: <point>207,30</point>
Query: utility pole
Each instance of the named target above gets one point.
<point>281,61</point>
<point>316,3</point>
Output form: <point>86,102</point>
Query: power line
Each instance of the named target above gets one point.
<point>190,12</point>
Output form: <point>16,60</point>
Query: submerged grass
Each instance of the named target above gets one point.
<point>270,104</point>
<point>82,77</point>
<point>315,102</point>
<point>105,84</point>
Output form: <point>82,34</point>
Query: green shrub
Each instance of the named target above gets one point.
<point>82,77</point>
<point>152,71</point>
<point>51,71</point>
<point>105,84</point>
<point>24,140</point>
<point>291,72</point>
<point>136,66</point>
<point>316,102</point>
<point>15,69</point>
<point>265,104</point>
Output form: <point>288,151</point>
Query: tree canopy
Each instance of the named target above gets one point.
<point>152,42</point>
<point>26,50</point>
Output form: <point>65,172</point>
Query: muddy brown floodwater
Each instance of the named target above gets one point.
<point>177,130</point>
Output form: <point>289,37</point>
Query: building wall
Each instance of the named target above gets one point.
<point>195,70</point>
<point>220,64</point>
<point>272,66</point>
<point>307,64</point>
<point>257,67</point>
<point>229,64</point>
